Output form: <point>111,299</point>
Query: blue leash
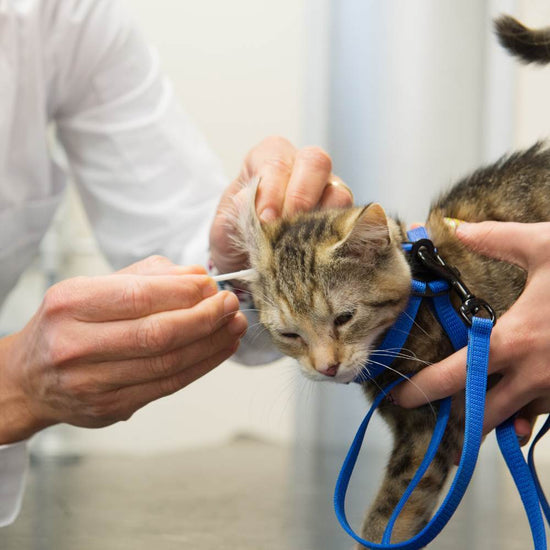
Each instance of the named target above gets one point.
<point>477,336</point>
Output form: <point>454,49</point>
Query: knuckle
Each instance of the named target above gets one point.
<point>192,292</point>
<point>517,339</point>
<point>60,349</point>
<point>300,200</point>
<point>172,384</point>
<point>162,365</point>
<point>317,158</point>
<point>60,296</point>
<point>137,297</point>
<point>151,336</point>
<point>280,165</point>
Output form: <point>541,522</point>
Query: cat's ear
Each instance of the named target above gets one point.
<point>250,237</point>
<point>365,231</point>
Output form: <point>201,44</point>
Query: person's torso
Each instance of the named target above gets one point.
<point>31,184</point>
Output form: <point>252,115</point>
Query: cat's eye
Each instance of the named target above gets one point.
<point>343,318</point>
<point>290,335</point>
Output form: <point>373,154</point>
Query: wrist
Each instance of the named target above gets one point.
<point>17,421</point>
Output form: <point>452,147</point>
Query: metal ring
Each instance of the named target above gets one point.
<point>335,181</point>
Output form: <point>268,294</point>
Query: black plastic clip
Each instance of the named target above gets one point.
<point>426,260</point>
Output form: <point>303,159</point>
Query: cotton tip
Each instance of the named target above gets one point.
<point>243,275</point>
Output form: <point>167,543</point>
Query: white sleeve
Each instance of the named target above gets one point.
<point>13,468</point>
<point>148,180</point>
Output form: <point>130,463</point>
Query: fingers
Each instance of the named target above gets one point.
<point>512,242</point>
<point>108,376</point>
<point>434,382</point>
<point>524,428</point>
<point>505,399</point>
<point>310,175</point>
<point>273,162</point>
<point>149,336</point>
<point>100,299</point>
<point>159,265</point>
<point>291,180</point>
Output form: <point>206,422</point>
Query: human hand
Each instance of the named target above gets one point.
<point>291,180</point>
<point>99,348</point>
<point>520,341</point>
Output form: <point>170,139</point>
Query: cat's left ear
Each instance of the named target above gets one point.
<point>366,231</point>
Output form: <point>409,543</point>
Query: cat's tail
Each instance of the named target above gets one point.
<point>529,45</point>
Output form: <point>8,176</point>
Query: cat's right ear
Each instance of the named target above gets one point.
<point>365,231</point>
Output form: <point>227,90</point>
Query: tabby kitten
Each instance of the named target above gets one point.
<point>330,284</point>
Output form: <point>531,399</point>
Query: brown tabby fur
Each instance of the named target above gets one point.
<point>330,283</point>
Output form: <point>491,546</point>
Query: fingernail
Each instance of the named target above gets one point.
<point>453,223</point>
<point>210,288</point>
<point>237,325</point>
<point>391,399</point>
<point>230,303</point>
<point>268,215</point>
<point>522,439</point>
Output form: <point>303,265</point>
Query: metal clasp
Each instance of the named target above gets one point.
<point>424,251</point>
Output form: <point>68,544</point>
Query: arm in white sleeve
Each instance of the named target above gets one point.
<point>149,182</point>
<point>13,468</point>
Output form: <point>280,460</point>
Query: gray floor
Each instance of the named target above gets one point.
<point>245,495</point>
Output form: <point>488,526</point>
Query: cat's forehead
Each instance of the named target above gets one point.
<point>292,311</point>
<point>305,230</point>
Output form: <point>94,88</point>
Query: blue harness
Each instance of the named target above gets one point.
<point>465,327</point>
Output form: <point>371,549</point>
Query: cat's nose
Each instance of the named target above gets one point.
<point>329,370</point>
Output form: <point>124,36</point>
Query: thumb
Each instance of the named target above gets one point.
<point>508,241</point>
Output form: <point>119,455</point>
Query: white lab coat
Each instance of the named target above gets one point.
<point>148,181</point>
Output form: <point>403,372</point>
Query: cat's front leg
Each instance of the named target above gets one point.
<point>406,456</point>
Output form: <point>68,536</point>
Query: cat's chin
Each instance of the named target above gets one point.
<point>339,378</point>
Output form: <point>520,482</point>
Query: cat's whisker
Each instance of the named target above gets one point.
<point>257,333</point>
<point>397,354</point>
<point>407,333</point>
<point>408,378</point>
<point>415,322</point>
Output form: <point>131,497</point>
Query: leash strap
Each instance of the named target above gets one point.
<point>478,348</point>
<point>524,480</point>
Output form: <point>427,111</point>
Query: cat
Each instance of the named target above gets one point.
<point>330,283</point>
